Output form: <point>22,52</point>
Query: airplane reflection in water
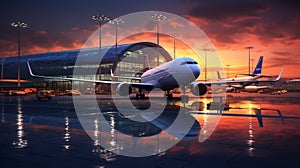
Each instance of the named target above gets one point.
<point>123,133</point>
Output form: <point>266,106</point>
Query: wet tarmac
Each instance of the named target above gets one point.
<point>51,134</point>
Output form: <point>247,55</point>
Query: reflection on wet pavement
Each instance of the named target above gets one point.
<point>49,131</point>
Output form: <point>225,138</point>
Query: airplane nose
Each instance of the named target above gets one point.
<point>196,71</point>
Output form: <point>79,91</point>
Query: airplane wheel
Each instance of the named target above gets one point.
<point>170,96</point>
<point>184,99</point>
<point>140,96</point>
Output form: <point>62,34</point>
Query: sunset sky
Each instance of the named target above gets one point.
<point>271,27</point>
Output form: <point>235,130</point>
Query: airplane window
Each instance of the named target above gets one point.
<point>189,62</point>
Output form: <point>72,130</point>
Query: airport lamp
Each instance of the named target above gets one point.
<point>251,64</point>
<point>205,60</point>
<point>174,36</point>
<point>116,22</point>
<point>19,26</point>
<point>249,48</point>
<point>2,68</point>
<point>157,18</point>
<point>100,19</point>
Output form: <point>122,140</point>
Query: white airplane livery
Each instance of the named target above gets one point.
<point>180,72</point>
<point>248,79</point>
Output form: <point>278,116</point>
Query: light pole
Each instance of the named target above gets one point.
<point>2,68</point>
<point>100,19</point>
<point>116,22</point>
<point>19,25</point>
<point>249,48</point>
<point>157,18</point>
<point>228,70</point>
<point>251,64</point>
<point>205,60</point>
<point>174,36</point>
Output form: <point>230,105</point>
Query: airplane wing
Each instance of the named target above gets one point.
<point>220,82</point>
<point>146,86</point>
<point>123,77</point>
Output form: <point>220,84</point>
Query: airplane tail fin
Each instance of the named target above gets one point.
<point>258,68</point>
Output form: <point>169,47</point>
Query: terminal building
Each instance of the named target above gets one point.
<point>125,60</point>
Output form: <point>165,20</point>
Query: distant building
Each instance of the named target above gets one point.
<point>130,60</point>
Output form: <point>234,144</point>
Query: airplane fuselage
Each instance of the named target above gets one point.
<point>242,79</point>
<point>176,73</point>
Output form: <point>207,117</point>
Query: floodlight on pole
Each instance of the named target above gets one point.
<point>157,18</point>
<point>174,36</point>
<point>19,26</point>
<point>2,68</point>
<point>249,48</point>
<point>205,62</point>
<point>251,64</point>
<point>116,21</point>
<point>100,19</point>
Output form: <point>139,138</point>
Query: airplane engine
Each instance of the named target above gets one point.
<point>198,89</point>
<point>124,89</point>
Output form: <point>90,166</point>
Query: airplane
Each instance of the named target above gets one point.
<point>180,72</point>
<point>242,82</point>
<point>294,80</point>
<point>255,75</point>
<point>255,89</point>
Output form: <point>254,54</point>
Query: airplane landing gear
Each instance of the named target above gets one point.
<point>184,98</point>
<point>140,95</point>
<point>169,95</point>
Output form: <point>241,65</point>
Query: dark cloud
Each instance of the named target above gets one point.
<point>59,18</point>
<point>33,41</point>
<point>222,9</point>
<point>275,62</point>
<point>282,53</point>
<point>268,20</point>
<point>150,25</point>
<point>219,9</point>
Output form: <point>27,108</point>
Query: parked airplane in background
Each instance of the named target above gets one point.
<point>255,75</point>
<point>294,80</point>
<point>242,82</point>
<point>254,88</point>
<point>180,72</point>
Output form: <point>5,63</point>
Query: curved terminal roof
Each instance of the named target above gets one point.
<point>68,58</point>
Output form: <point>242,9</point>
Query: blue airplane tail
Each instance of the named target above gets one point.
<point>258,68</point>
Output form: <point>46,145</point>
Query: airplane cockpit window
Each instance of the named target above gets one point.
<point>188,62</point>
